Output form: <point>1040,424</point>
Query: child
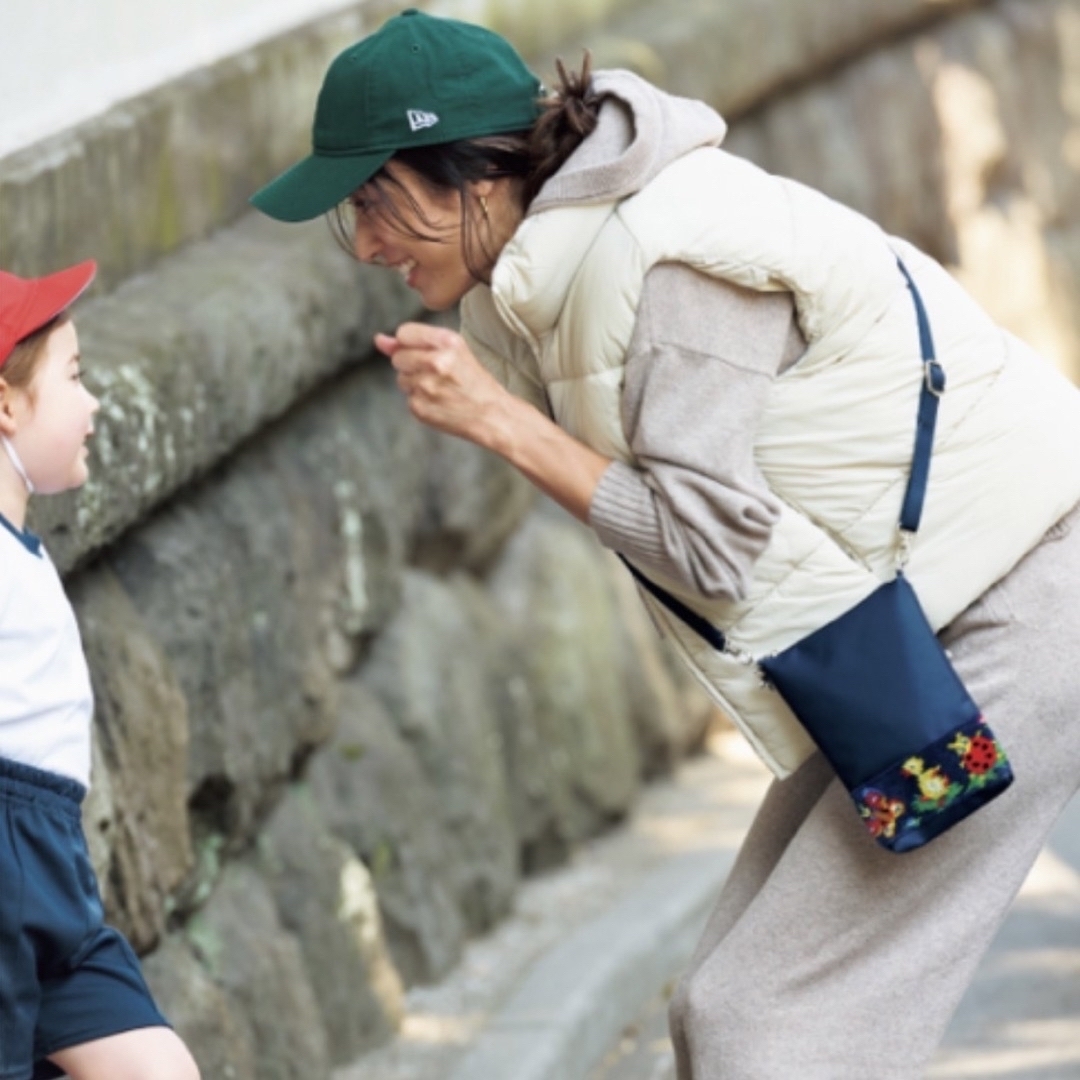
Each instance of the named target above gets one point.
<point>72,997</point>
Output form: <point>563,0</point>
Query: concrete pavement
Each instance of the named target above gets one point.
<point>1020,1020</point>
<point>552,987</point>
<point>573,986</point>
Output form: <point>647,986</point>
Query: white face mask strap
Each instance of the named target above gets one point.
<point>17,462</point>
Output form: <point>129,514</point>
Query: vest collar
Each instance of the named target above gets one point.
<point>537,267</point>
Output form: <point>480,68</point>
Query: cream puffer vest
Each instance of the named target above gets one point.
<point>836,438</point>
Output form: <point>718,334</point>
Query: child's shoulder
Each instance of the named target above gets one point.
<point>25,566</point>
<point>34,605</point>
<point>17,543</point>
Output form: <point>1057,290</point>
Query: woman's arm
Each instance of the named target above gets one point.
<point>701,361</point>
<point>448,389</point>
<point>700,366</point>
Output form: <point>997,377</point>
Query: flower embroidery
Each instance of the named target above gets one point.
<point>914,801</point>
<point>880,813</point>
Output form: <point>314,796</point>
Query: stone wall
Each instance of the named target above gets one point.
<point>351,686</point>
<point>353,679</point>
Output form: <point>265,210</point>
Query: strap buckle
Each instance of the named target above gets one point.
<point>934,376</point>
<point>905,541</point>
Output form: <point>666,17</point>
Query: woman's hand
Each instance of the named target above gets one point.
<point>447,388</point>
<point>445,385</point>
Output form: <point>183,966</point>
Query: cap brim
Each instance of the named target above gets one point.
<point>55,292</point>
<point>31,303</point>
<point>316,185</point>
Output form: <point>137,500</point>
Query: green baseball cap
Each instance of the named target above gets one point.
<point>417,81</point>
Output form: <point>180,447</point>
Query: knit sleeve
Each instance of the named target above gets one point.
<point>695,507</point>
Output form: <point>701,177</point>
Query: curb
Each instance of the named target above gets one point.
<point>576,1001</point>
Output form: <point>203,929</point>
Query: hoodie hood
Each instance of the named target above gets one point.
<point>640,130</point>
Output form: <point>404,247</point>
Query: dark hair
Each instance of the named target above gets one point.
<point>568,115</point>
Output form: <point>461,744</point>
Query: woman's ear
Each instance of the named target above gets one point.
<point>482,189</point>
<point>503,195</point>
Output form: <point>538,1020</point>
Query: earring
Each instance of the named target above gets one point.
<point>484,207</point>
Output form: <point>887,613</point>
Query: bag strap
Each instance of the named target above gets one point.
<point>713,635</point>
<point>933,386</point>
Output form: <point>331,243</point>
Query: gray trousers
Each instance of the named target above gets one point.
<point>829,958</point>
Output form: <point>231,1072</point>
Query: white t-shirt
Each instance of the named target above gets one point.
<point>46,703</point>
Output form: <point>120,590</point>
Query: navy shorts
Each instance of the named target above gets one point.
<point>65,977</point>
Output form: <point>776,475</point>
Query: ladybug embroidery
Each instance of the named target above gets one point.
<point>981,755</point>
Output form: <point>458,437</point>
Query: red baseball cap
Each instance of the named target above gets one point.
<point>27,304</point>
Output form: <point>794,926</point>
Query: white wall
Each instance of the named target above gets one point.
<point>63,61</point>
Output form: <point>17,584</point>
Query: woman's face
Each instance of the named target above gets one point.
<point>436,267</point>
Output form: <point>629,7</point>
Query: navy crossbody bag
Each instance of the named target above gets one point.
<point>876,690</point>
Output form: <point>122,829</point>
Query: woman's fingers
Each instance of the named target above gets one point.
<point>446,387</point>
<point>447,360</point>
<point>386,344</point>
<point>416,346</point>
<point>424,336</point>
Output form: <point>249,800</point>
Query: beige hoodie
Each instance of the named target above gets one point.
<point>699,368</point>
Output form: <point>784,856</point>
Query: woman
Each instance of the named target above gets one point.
<point>717,370</point>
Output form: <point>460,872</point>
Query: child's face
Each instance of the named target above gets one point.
<point>56,417</point>
<point>434,268</point>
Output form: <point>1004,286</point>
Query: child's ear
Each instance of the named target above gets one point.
<point>8,412</point>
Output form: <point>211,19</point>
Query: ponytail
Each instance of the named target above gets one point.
<point>569,116</point>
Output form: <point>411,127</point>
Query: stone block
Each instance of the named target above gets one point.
<point>431,672</point>
<point>373,794</point>
<point>197,357</point>
<point>260,968</point>
<point>261,586</point>
<point>574,758</point>
<point>241,636</point>
<point>172,165</point>
<point>473,503</point>
<point>959,138</point>
<point>325,897</point>
<point>737,54</point>
<point>669,711</point>
<point>215,1030</point>
<point>142,731</point>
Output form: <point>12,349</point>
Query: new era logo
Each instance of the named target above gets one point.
<point>418,119</point>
